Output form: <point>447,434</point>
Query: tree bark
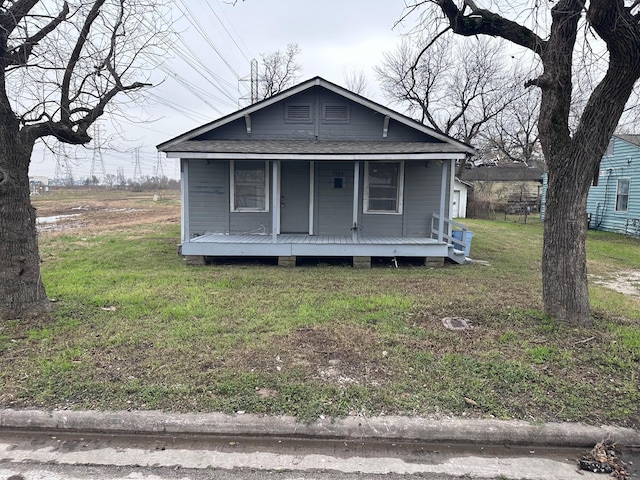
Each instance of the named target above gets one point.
<point>22,292</point>
<point>573,160</point>
<point>564,257</point>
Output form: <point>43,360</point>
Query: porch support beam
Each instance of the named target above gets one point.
<point>356,196</point>
<point>312,193</point>
<point>443,195</point>
<point>275,201</point>
<point>184,204</point>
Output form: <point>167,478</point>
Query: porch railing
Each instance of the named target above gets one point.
<point>449,226</point>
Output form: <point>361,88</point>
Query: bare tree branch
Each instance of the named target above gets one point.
<point>73,60</point>
<point>485,22</point>
<point>20,55</point>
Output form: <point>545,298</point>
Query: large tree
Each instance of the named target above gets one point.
<point>457,88</point>
<point>513,134</point>
<point>280,70</point>
<point>556,33</point>
<point>62,64</point>
<point>454,87</point>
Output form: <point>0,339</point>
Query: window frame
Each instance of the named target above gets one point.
<point>232,179</point>
<point>619,195</point>
<point>399,194</point>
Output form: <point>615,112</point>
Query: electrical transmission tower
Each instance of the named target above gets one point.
<point>97,157</point>
<point>158,170</point>
<point>120,178</point>
<point>137,171</point>
<point>63,173</point>
<point>253,79</point>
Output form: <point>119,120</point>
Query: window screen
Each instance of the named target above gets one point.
<point>383,187</point>
<point>250,186</point>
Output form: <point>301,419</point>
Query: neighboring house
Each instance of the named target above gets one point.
<point>509,185</point>
<point>459,200</point>
<point>317,171</point>
<point>613,204</point>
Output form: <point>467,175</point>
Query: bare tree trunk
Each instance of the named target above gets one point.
<point>564,256</point>
<point>22,292</point>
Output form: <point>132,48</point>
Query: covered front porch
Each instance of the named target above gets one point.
<point>291,246</point>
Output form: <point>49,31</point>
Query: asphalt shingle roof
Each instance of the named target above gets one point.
<point>310,147</point>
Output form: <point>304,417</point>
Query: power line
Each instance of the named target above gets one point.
<point>228,33</point>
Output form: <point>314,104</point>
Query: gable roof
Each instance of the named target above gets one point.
<point>183,139</point>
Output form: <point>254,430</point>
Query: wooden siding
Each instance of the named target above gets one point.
<point>250,222</point>
<point>269,123</point>
<point>422,183</point>
<point>208,197</point>
<point>623,163</point>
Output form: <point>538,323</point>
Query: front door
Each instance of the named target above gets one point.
<point>294,197</point>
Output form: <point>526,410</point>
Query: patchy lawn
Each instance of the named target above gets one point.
<point>135,328</point>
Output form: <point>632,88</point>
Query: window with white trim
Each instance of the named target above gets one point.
<point>249,186</point>
<point>622,195</point>
<point>383,187</point>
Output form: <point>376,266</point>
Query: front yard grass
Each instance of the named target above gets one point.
<point>135,328</point>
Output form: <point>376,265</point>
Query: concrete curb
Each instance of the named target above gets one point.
<point>453,430</point>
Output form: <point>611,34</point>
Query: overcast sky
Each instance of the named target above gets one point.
<point>335,37</point>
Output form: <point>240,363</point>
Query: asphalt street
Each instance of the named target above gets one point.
<point>149,445</point>
<point>58,455</point>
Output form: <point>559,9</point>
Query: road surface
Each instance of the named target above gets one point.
<point>64,455</point>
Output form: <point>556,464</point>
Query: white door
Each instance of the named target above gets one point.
<point>455,213</point>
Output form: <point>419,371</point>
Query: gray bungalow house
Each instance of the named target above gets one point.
<point>318,171</point>
<point>613,204</point>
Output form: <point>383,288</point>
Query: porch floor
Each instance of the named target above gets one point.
<point>314,245</point>
<point>315,239</point>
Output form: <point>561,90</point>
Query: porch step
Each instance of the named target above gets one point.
<point>456,255</point>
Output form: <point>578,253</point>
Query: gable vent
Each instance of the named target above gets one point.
<point>297,113</point>
<point>335,113</point>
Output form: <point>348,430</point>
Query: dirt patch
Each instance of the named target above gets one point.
<point>626,282</point>
<point>96,210</point>
<point>338,355</point>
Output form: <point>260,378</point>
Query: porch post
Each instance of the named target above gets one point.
<point>443,194</point>
<point>356,196</point>
<point>312,193</point>
<point>184,204</point>
<point>275,201</point>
